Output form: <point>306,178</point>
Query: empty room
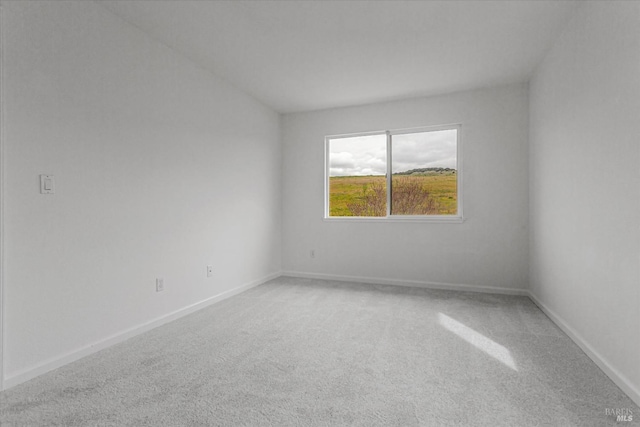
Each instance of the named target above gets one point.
<point>318,213</point>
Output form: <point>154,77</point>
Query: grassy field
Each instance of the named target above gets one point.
<point>345,190</point>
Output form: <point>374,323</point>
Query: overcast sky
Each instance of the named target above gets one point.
<point>366,155</point>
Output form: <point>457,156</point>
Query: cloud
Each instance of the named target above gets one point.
<point>343,161</point>
<point>357,156</point>
<point>424,150</point>
<point>366,155</point>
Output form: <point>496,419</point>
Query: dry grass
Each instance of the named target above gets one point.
<point>413,195</point>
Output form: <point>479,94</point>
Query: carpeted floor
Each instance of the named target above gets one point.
<point>317,353</point>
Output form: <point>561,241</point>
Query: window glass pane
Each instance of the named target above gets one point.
<point>424,173</point>
<point>357,176</point>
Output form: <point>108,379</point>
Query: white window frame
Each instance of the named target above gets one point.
<point>457,218</point>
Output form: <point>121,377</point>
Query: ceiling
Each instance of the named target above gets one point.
<point>308,55</point>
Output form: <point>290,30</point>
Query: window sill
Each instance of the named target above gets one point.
<point>434,219</point>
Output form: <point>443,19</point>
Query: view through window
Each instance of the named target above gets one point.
<point>410,173</point>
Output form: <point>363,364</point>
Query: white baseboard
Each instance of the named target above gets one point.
<point>409,283</point>
<point>57,362</point>
<point>618,378</point>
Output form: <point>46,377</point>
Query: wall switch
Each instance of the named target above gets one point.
<point>47,184</point>
<point>159,285</point>
<point>209,270</point>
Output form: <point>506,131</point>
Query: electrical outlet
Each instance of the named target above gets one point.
<point>209,270</point>
<point>159,285</point>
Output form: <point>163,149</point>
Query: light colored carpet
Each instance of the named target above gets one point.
<point>317,353</point>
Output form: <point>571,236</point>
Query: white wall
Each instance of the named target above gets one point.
<point>161,168</point>
<point>585,185</point>
<point>489,249</point>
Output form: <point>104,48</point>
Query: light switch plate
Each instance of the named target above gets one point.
<point>47,184</point>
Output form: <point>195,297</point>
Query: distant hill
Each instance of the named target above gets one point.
<point>428,171</point>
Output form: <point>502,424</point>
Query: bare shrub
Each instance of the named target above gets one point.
<point>373,201</point>
<point>409,197</point>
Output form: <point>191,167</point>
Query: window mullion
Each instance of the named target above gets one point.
<point>389,173</point>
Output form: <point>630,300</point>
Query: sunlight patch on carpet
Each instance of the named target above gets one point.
<point>478,340</point>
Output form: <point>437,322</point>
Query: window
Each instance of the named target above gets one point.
<point>402,174</point>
